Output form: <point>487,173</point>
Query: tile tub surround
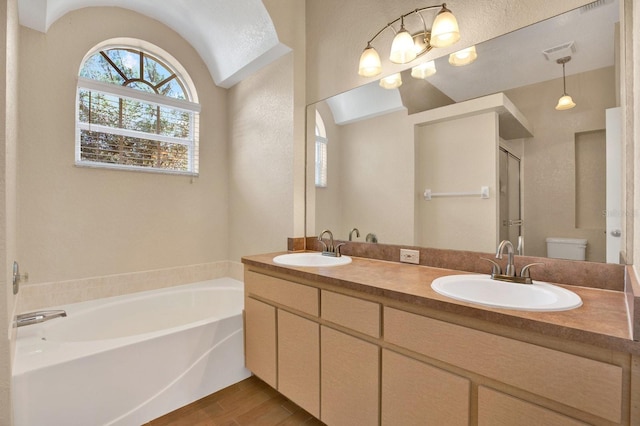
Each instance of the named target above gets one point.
<point>42,295</point>
<point>602,320</point>
<point>585,274</point>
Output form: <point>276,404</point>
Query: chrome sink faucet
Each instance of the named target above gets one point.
<point>38,316</point>
<point>509,274</point>
<point>330,250</point>
<point>357,231</point>
<point>510,270</point>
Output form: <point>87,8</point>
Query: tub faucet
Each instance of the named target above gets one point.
<point>351,233</point>
<point>38,316</point>
<point>330,250</point>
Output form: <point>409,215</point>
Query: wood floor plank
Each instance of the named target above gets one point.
<point>247,403</point>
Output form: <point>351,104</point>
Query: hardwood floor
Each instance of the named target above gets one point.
<point>249,402</point>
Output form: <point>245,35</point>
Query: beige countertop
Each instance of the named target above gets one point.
<point>601,321</point>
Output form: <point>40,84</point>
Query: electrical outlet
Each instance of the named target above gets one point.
<point>410,256</point>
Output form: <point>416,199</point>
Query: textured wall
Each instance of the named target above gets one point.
<point>8,143</point>
<point>266,145</point>
<point>78,222</point>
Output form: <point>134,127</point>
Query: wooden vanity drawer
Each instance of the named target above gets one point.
<point>356,314</point>
<point>591,386</point>
<point>297,296</point>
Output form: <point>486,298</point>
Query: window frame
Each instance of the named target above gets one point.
<point>321,153</point>
<point>158,100</point>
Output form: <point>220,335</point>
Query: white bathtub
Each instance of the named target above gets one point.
<point>126,360</point>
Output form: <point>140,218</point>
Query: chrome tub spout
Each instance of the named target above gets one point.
<point>38,316</point>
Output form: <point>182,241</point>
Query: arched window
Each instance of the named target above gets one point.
<point>135,111</point>
<point>321,153</point>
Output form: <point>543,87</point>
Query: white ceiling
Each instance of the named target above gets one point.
<point>509,61</point>
<point>234,38</point>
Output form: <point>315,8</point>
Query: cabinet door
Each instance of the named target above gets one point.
<point>415,393</point>
<point>299,361</point>
<point>350,380</point>
<point>498,409</point>
<point>260,340</point>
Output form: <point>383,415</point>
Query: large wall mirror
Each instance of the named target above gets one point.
<point>475,154</point>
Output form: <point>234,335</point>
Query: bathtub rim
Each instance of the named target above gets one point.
<point>34,353</point>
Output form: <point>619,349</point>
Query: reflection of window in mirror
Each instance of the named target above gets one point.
<point>321,153</point>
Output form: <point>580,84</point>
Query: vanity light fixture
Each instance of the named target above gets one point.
<point>407,46</point>
<point>424,70</point>
<point>391,82</point>
<point>565,101</point>
<point>463,57</point>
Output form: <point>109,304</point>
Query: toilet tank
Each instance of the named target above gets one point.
<point>566,248</point>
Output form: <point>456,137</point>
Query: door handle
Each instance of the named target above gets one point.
<point>616,233</point>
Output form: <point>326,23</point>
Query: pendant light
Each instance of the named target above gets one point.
<point>565,102</point>
<point>369,62</point>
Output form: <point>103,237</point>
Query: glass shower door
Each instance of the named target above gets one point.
<point>510,214</point>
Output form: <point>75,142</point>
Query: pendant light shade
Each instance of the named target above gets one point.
<point>445,31</point>
<point>402,49</point>
<point>463,57</point>
<point>370,65</point>
<point>391,82</point>
<point>565,102</point>
<point>424,70</point>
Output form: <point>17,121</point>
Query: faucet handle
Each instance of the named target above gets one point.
<point>337,249</point>
<point>495,268</point>
<point>524,272</point>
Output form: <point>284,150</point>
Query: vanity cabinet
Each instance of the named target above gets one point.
<point>260,340</point>
<point>350,379</point>
<point>281,346</point>
<point>416,393</point>
<point>349,357</point>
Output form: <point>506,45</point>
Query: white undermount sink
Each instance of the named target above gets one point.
<point>483,290</point>
<point>310,259</point>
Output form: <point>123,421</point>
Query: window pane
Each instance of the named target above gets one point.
<point>154,72</point>
<point>127,61</point>
<point>175,123</point>
<point>97,68</point>
<point>129,151</point>
<point>140,116</point>
<point>173,89</point>
<point>99,108</point>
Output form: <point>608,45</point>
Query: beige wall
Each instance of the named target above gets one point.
<point>548,163</point>
<point>458,155</point>
<point>266,145</point>
<point>8,143</point>
<point>377,178</point>
<point>81,222</point>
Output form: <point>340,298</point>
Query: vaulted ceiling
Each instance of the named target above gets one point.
<point>234,38</point>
